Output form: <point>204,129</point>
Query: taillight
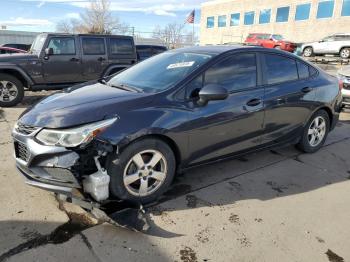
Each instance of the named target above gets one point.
<point>341,84</point>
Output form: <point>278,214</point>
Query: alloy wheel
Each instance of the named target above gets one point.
<point>345,53</point>
<point>8,91</point>
<point>317,131</point>
<point>145,173</point>
<point>307,52</point>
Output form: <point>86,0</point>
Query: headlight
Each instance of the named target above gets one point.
<point>73,137</point>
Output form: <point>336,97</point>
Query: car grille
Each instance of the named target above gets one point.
<point>22,151</point>
<point>26,129</point>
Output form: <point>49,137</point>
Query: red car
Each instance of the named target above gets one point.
<point>10,50</point>
<point>270,41</point>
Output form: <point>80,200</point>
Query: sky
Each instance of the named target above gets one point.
<point>43,15</point>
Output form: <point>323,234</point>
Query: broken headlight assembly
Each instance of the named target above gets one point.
<point>73,137</point>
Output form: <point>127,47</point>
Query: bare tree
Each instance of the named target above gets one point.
<point>96,19</point>
<point>172,35</point>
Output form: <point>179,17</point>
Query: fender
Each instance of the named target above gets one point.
<point>5,66</point>
<point>109,69</point>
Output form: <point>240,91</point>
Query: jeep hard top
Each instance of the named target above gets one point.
<point>56,61</point>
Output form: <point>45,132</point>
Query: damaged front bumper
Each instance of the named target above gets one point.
<point>52,168</point>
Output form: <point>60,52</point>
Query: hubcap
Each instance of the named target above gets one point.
<point>8,91</point>
<point>317,131</point>
<point>345,53</point>
<point>307,52</point>
<point>145,173</point>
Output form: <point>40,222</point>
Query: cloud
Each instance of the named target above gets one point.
<point>20,21</point>
<point>73,15</point>
<point>156,7</point>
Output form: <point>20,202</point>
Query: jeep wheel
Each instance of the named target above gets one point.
<point>345,53</point>
<point>308,51</point>
<point>11,90</point>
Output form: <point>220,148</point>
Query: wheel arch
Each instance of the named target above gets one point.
<point>166,139</point>
<point>304,47</point>
<point>328,111</point>
<point>19,74</point>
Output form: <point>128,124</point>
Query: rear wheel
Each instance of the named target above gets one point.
<point>11,90</point>
<point>308,51</point>
<point>315,132</point>
<point>143,171</point>
<point>345,53</point>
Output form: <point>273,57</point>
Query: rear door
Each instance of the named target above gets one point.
<point>231,125</point>
<point>64,65</point>
<point>289,97</point>
<point>94,58</point>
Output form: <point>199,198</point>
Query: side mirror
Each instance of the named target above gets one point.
<point>211,92</point>
<point>49,51</point>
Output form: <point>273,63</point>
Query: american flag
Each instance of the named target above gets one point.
<point>190,18</point>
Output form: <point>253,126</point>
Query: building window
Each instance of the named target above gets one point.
<point>302,12</point>
<point>345,11</point>
<point>265,16</point>
<point>325,9</point>
<point>235,19</point>
<point>210,22</point>
<point>222,21</point>
<point>249,18</point>
<point>282,14</point>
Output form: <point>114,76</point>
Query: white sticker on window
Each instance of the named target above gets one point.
<point>182,64</point>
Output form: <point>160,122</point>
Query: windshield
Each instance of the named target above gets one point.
<point>160,72</point>
<point>277,37</point>
<point>38,44</point>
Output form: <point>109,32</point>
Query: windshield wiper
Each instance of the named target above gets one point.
<point>125,87</point>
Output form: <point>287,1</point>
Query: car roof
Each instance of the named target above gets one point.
<point>215,49</point>
<point>91,35</point>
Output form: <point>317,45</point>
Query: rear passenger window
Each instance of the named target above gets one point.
<point>93,46</point>
<point>312,71</point>
<point>280,69</point>
<point>121,46</point>
<point>303,70</point>
<point>235,73</point>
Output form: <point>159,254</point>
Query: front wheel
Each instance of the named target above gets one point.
<point>308,51</point>
<point>315,132</point>
<point>11,90</point>
<point>345,53</point>
<point>142,172</point>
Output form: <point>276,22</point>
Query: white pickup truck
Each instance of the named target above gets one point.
<point>338,44</point>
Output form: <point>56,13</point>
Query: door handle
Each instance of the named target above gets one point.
<point>254,102</point>
<point>306,89</point>
<point>74,59</point>
<point>100,59</point>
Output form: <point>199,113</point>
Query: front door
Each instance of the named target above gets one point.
<point>94,59</point>
<point>64,65</point>
<point>232,125</point>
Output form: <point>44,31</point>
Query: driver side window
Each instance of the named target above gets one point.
<point>235,73</point>
<point>62,45</point>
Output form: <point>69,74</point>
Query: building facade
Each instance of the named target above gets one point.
<point>230,21</point>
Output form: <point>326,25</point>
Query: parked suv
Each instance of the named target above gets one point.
<point>344,77</point>
<point>146,51</point>
<point>270,41</point>
<point>56,61</point>
<point>338,44</point>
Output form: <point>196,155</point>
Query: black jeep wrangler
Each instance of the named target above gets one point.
<point>56,61</point>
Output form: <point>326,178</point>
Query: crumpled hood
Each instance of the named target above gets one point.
<point>80,105</point>
<point>16,57</point>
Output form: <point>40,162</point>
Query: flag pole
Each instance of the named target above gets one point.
<point>194,15</point>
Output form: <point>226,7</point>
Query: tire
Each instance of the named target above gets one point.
<point>344,53</point>
<point>11,90</point>
<point>305,144</point>
<point>277,47</point>
<point>123,170</point>
<point>308,51</point>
